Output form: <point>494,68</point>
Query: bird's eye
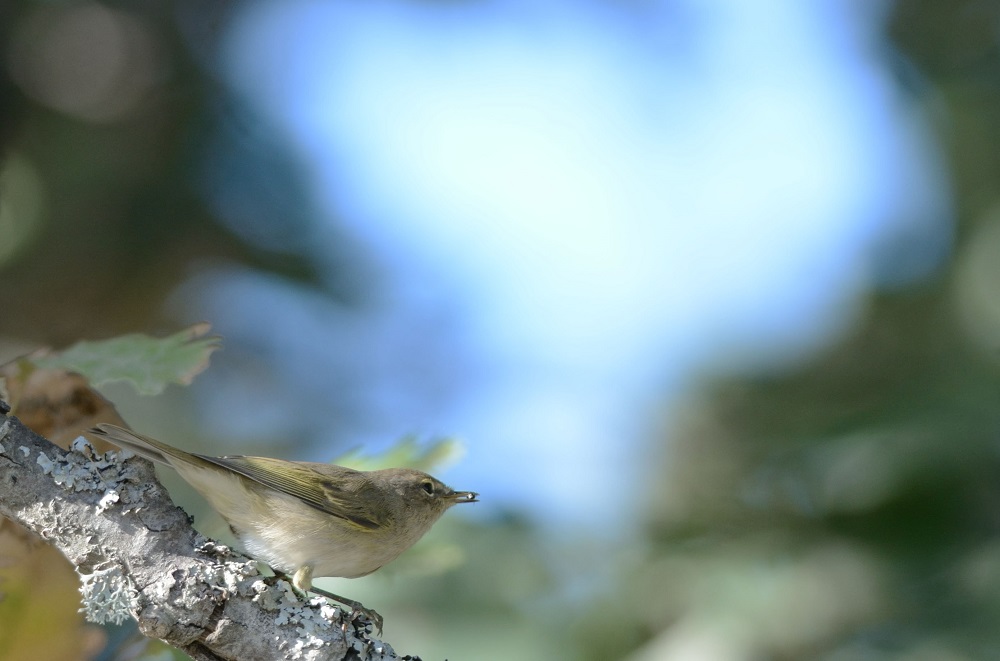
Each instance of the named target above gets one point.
<point>428,487</point>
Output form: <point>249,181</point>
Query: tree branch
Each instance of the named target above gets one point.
<point>138,555</point>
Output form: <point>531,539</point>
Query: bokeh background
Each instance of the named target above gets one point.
<point>710,291</point>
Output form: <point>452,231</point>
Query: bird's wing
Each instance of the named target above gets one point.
<point>333,489</point>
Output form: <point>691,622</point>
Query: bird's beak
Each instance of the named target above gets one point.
<point>463,496</point>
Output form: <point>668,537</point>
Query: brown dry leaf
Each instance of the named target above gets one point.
<point>54,403</point>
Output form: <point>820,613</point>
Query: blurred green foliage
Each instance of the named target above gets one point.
<point>409,452</point>
<point>849,509</point>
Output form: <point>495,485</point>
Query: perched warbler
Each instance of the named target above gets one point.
<point>308,519</point>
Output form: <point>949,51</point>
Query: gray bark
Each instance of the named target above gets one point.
<point>138,555</point>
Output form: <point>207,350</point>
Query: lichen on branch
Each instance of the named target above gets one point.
<point>139,556</point>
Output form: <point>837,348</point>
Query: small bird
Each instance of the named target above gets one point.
<point>308,519</point>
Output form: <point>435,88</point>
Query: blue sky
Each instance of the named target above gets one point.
<point>574,209</point>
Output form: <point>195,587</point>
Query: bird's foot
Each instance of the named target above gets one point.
<point>357,610</point>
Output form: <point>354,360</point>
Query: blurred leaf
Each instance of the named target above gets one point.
<point>408,452</point>
<point>150,364</point>
<point>39,602</point>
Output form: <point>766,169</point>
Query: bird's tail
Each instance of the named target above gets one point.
<point>144,446</point>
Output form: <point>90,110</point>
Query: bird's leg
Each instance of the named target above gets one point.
<point>302,581</point>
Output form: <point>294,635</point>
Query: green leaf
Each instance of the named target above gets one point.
<point>409,452</point>
<point>150,364</point>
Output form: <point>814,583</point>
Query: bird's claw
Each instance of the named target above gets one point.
<point>357,610</point>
